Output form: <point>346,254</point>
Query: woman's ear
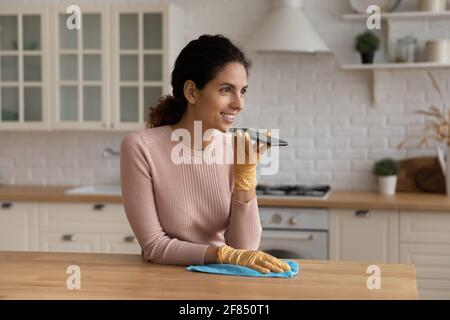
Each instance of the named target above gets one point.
<point>189,90</point>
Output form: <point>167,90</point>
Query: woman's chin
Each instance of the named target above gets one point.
<point>223,127</point>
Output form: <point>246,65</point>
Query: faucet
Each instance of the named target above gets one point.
<point>108,152</point>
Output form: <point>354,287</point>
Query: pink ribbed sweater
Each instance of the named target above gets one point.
<point>177,210</point>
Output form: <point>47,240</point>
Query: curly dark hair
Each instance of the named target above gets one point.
<point>199,62</point>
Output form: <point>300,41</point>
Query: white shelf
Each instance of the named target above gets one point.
<point>381,66</point>
<point>391,18</point>
<point>373,68</point>
<point>401,15</point>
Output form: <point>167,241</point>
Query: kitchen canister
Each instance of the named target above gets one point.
<point>438,51</point>
<point>432,5</point>
<point>407,49</point>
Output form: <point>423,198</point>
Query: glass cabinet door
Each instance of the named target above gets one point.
<point>22,76</point>
<point>81,83</point>
<point>139,60</point>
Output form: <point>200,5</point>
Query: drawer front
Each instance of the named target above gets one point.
<point>84,217</point>
<point>431,260</point>
<point>120,243</point>
<point>70,242</point>
<point>294,218</point>
<point>425,227</point>
<point>433,289</point>
<point>295,244</point>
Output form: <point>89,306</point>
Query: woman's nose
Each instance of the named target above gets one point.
<point>238,102</point>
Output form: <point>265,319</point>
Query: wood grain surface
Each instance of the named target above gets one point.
<point>421,174</point>
<point>42,275</point>
<point>410,201</point>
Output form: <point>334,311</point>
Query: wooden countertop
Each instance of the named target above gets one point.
<point>42,275</point>
<point>337,199</point>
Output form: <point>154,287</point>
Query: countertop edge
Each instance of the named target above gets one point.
<point>336,199</point>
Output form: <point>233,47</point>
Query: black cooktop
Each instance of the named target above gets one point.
<point>293,190</point>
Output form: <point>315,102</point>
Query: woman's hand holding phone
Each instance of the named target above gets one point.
<point>246,156</point>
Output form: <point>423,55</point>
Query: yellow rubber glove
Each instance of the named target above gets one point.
<point>245,161</point>
<point>258,260</point>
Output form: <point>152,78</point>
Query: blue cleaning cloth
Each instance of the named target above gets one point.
<point>231,269</point>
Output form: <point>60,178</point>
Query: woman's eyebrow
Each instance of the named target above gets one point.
<point>232,85</point>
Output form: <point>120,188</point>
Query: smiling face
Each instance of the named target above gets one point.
<point>222,98</point>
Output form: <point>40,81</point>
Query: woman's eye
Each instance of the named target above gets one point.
<point>244,91</point>
<point>225,90</point>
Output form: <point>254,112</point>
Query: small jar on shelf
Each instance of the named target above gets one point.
<point>407,49</point>
<point>433,5</point>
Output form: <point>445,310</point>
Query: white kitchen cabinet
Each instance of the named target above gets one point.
<point>432,263</point>
<point>83,217</point>
<point>18,226</point>
<point>120,243</point>
<point>85,227</point>
<point>69,242</point>
<point>425,242</point>
<point>364,235</point>
<point>24,78</point>
<point>103,76</point>
<point>425,227</point>
<point>80,73</point>
<point>145,43</point>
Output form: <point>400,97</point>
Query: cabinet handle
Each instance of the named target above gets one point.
<point>7,205</point>
<point>308,237</point>
<point>99,206</point>
<point>129,239</point>
<point>68,237</point>
<point>362,213</point>
<point>112,126</point>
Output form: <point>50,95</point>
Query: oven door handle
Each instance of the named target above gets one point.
<point>288,236</point>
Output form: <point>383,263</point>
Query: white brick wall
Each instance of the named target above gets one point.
<point>335,133</point>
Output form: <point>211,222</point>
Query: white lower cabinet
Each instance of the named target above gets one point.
<point>86,227</point>
<point>18,226</point>
<point>70,242</point>
<point>83,217</point>
<point>425,242</point>
<point>364,235</point>
<point>120,243</point>
<point>66,227</point>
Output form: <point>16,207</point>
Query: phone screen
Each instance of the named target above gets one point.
<point>259,136</point>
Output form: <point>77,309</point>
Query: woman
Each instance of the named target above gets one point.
<point>195,213</point>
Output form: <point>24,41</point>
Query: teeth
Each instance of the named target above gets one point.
<point>229,116</point>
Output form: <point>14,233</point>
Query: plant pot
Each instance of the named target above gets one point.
<point>387,185</point>
<point>367,57</point>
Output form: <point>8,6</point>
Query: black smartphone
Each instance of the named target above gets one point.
<point>259,136</point>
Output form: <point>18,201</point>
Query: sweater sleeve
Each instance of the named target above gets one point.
<point>140,208</point>
<point>244,230</point>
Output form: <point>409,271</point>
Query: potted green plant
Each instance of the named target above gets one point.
<point>386,170</point>
<point>367,43</point>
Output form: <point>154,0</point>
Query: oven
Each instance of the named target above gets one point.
<point>294,233</point>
